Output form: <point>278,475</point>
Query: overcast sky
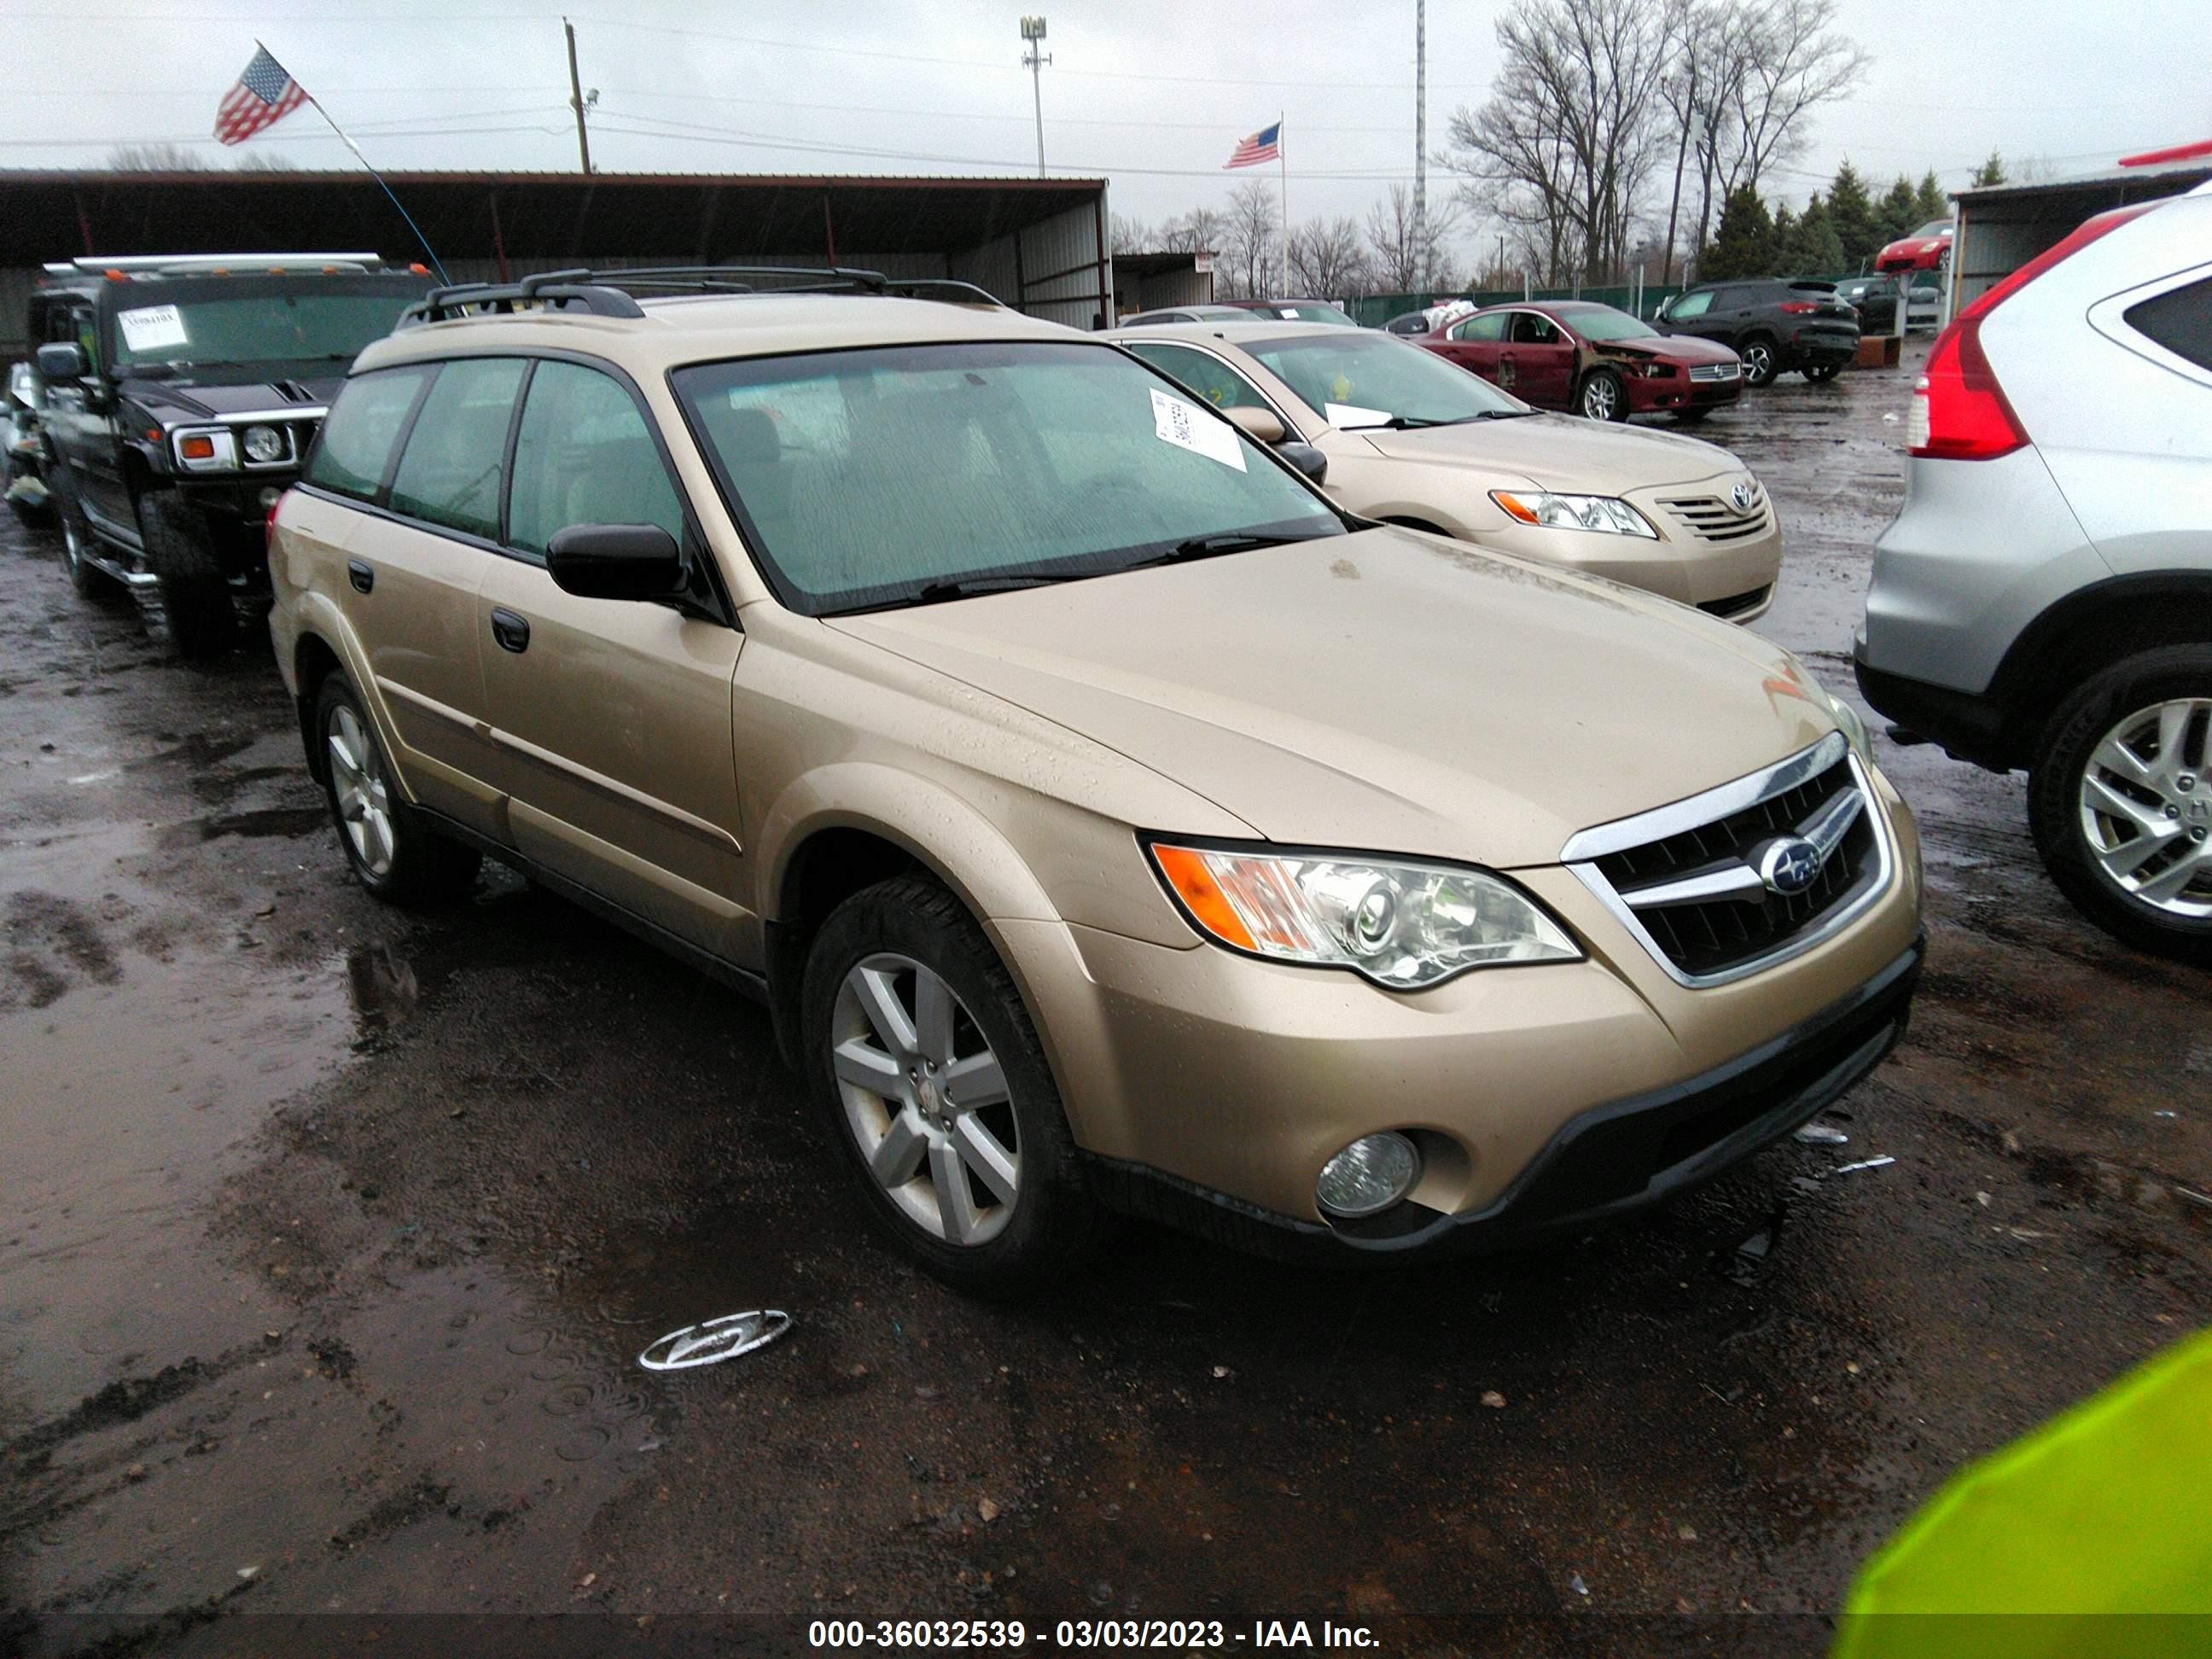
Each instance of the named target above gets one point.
<point>1153,94</point>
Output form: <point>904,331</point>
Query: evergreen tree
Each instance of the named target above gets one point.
<point>1992,171</point>
<point>1851,211</point>
<point>1930,201</point>
<point>1820,252</point>
<point>1743,246</point>
<point>1785,239</point>
<point>1901,211</point>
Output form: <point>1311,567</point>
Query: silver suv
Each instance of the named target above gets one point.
<point>2045,598</point>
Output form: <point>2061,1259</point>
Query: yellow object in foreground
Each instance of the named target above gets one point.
<point>2092,1536</point>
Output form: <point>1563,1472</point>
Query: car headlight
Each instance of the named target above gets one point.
<point>1606,513</point>
<point>264,444</point>
<point>1846,717</point>
<point>1405,925</point>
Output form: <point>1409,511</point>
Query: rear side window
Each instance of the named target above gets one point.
<point>585,455</point>
<point>1486,325</point>
<point>2180,319</point>
<point>1203,372</point>
<point>354,452</point>
<point>450,474</point>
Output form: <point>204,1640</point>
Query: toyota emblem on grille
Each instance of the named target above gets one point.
<point>1789,865</point>
<point>1744,495</point>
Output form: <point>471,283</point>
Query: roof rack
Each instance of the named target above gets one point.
<point>611,293</point>
<point>202,264</point>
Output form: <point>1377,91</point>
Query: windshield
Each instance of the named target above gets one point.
<point>1604,323</point>
<point>901,475</point>
<point>302,325</point>
<point>1370,378</point>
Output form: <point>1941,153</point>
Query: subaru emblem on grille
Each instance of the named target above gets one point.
<point>1788,865</point>
<point>1744,495</point>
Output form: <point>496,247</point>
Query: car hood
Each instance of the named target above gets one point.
<point>1387,690</point>
<point>1667,348</point>
<point>194,400</point>
<point>1559,452</point>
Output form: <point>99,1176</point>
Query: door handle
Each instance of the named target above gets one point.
<point>512,631</point>
<point>360,575</point>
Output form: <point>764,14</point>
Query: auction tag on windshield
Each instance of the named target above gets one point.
<point>1347,418</point>
<point>150,328</point>
<point>1188,427</point>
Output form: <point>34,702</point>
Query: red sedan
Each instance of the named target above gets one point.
<point>1591,360</point>
<point>1923,250</point>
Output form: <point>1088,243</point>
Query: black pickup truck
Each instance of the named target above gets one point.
<point>180,394</point>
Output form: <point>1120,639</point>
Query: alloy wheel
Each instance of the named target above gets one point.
<point>1598,397</point>
<point>2146,807</point>
<point>926,1099</point>
<point>364,800</point>
<point>1758,363</point>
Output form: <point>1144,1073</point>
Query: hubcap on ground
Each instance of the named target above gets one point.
<point>926,1099</point>
<point>2147,808</point>
<point>364,802</point>
<point>1598,400</point>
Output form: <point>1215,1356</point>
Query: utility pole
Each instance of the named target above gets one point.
<point>1033,59</point>
<point>1421,139</point>
<point>576,96</point>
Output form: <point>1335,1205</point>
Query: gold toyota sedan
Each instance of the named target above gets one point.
<point>1106,818</point>
<point>1411,439</point>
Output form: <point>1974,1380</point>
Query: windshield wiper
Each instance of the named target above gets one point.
<point>1503,414</point>
<point>933,592</point>
<point>1228,541</point>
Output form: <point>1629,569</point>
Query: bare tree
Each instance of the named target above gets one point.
<point>1201,230</point>
<point>1250,241</point>
<point>1571,131</point>
<point>156,158</point>
<point>1125,235</point>
<point>264,161</point>
<point>1793,63</point>
<point>1328,258</point>
<point>1402,260</point>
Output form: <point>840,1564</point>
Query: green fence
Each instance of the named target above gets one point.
<point>1378,308</point>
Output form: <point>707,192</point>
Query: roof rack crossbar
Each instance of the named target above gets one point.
<point>559,288</point>
<point>874,281</point>
<point>605,293</point>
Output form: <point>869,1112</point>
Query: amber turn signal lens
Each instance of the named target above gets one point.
<point>197,449</point>
<point>1202,896</point>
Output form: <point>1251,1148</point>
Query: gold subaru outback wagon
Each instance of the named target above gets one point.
<point>1107,819</point>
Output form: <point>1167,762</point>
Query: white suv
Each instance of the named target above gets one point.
<point>2044,599</point>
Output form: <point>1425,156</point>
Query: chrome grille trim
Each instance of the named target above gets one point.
<point>1715,371</point>
<point>1826,828</point>
<point>1715,517</point>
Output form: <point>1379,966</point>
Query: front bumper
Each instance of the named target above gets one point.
<point>1649,395</point>
<point>1606,1162</point>
<point>1193,1072</point>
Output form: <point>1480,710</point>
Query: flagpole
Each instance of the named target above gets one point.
<point>435,263</point>
<point>1282,163</point>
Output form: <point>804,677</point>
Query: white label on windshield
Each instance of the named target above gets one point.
<point>1188,427</point>
<point>1346,416</point>
<point>150,328</point>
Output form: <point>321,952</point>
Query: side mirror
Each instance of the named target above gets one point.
<point>615,561</point>
<point>1261,425</point>
<point>63,360</point>
<point>1308,461</point>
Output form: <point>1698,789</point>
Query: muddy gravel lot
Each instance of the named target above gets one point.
<point>329,1236</point>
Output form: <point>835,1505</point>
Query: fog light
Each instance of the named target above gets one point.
<point>1372,1173</point>
<point>269,494</point>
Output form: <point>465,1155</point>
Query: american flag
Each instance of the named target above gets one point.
<point>1264,145</point>
<point>264,95</point>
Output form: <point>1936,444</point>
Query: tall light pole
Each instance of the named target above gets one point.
<point>1033,59</point>
<point>577,101</point>
<point>1421,138</point>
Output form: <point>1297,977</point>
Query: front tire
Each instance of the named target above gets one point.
<point>1601,397</point>
<point>931,1079</point>
<point>90,581</point>
<point>1758,360</point>
<point>2121,803</point>
<point>194,597</point>
<point>394,853</point>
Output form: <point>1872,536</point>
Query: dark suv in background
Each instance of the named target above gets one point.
<point>1774,326</point>
<point>179,395</point>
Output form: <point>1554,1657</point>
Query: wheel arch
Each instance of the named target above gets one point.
<point>2088,631</point>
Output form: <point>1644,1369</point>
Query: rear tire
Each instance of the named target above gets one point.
<point>1758,360</point>
<point>1601,397</point>
<point>2120,800</point>
<point>929,1077</point>
<point>394,852</point>
<point>194,597</point>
